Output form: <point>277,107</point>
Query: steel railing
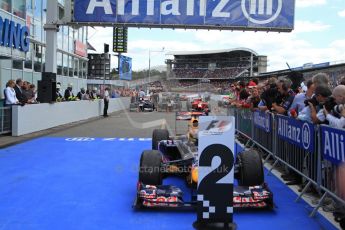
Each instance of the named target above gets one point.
<point>308,160</point>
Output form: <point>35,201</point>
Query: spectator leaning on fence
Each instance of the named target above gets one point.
<point>10,94</point>
<point>283,103</point>
<point>298,103</point>
<point>269,95</point>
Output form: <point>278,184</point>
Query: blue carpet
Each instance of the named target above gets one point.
<point>51,183</point>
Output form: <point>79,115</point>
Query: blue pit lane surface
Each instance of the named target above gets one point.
<point>90,183</point>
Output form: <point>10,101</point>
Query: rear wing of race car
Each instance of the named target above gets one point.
<point>186,116</point>
<point>181,127</point>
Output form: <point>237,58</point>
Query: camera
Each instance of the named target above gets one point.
<point>312,100</point>
<point>330,104</point>
<point>339,108</point>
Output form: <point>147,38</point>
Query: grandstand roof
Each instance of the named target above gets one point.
<point>176,53</point>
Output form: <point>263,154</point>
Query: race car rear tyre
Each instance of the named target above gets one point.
<point>159,135</point>
<point>251,169</point>
<point>150,168</point>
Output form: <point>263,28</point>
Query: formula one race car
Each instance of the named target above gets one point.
<point>167,104</point>
<point>146,106</point>
<point>198,104</point>
<point>177,156</point>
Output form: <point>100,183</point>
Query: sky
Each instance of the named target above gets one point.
<point>319,36</point>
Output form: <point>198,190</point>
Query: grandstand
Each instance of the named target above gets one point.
<point>215,64</point>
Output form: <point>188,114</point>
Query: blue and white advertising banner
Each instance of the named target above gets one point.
<point>332,144</point>
<point>125,68</point>
<point>296,132</point>
<point>275,15</point>
<point>14,35</point>
<point>262,120</point>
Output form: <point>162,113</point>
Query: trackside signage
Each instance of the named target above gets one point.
<point>273,15</point>
<point>14,35</point>
<point>216,172</point>
<point>262,120</point>
<point>333,144</point>
<point>296,132</point>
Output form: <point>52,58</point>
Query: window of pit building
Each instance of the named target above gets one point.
<point>19,8</point>
<point>6,5</point>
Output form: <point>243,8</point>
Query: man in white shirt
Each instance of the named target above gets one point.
<point>106,102</point>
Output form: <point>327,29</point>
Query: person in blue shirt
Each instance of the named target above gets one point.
<point>298,103</point>
<point>313,112</point>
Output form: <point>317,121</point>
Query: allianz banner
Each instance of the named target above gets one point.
<point>262,120</point>
<point>233,14</point>
<point>332,144</point>
<point>301,134</point>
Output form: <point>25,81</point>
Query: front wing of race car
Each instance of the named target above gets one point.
<point>167,196</point>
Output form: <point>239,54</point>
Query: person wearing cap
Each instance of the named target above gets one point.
<point>59,97</point>
<point>69,96</point>
<point>251,84</point>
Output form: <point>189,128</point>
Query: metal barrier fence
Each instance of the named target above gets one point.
<point>313,152</point>
<point>244,121</point>
<point>5,120</point>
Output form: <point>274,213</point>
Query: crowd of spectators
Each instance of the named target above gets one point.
<point>156,87</point>
<point>313,100</point>
<point>228,73</point>
<point>19,92</point>
<point>89,94</point>
<point>218,73</point>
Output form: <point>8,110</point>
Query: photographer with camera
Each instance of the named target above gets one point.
<point>313,112</point>
<point>336,114</point>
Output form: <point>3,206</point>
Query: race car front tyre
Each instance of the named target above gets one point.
<point>159,135</point>
<point>150,168</point>
<point>251,169</point>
